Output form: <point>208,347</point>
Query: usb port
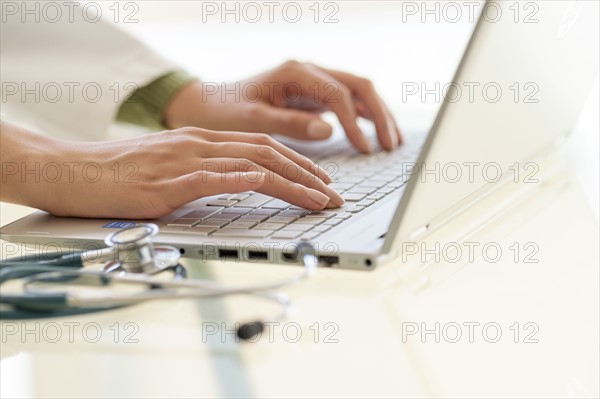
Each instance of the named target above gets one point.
<point>258,255</point>
<point>228,253</point>
<point>329,260</point>
<point>289,257</point>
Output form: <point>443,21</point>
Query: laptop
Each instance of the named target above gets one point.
<point>516,94</point>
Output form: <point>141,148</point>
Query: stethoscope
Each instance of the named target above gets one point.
<point>130,258</point>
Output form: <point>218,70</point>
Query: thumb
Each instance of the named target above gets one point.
<point>190,187</point>
<point>293,123</point>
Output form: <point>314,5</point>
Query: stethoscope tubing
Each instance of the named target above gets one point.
<point>34,302</point>
<point>177,288</point>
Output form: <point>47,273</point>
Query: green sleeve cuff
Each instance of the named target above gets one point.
<point>146,105</point>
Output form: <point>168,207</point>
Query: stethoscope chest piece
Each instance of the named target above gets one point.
<point>135,252</point>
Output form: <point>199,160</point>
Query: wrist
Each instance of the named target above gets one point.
<point>185,108</point>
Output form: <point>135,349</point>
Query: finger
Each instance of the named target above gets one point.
<point>272,162</point>
<point>336,97</point>
<point>362,110</point>
<point>264,139</point>
<point>190,187</point>
<point>302,125</point>
<point>397,129</point>
<point>341,103</point>
<point>365,91</point>
<point>279,187</point>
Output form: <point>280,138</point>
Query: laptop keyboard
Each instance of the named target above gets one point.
<point>362,180</point>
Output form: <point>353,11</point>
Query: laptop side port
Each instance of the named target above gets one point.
<point>228,253</point>
<point>258,255</point>
<point>289,257</point>
<point>329,261</point>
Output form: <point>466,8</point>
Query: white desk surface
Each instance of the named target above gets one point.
<point>171,357</point>
<point>175,354</point>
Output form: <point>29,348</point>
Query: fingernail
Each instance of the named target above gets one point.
<point>317,197</point>
<point>318,129</point>
<point>367,148</point>
<point>336,200</point>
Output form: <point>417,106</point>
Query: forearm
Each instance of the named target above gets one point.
<point>62,177</point>
<point>24,156</point>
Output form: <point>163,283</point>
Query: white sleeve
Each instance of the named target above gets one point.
<point>68,79</point>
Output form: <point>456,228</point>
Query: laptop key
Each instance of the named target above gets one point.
<point>365,203</point>
<point>394,171</point>
<point>225,203</point>
<point>352,179</point>
<point>282,219</point>
<point>365,172</point>
<point>240,196</point>
<point>322,228</point>
<point>183,222</point>
<point>333,222</point>
<point>343,215</point>
<point>173,229</point>
<point>293,212</point>
<point>253,201</point>
<point>202,230</point>
<point>269,226</point>
<point>261,211</point>
<point>341,186</point>
<point>238,211</point>
<point>253,217</point>
<point>226,232</point>
<point>241,225</point>
<point>353,197</point>
<point>375,196</point>
<point>214,222</point>
<point>369,184</point>
<point>298,227</point>
<point>225,216</point>
<point>277,204</point>
<point>362,190</point>
<point>386,190</point>
<point>355,209</point>
<point>201,213</point>
<point>313,221</point>
<point>310,236</point>
<point>321,214</point>
<point>383,179</point>
<point>286,235</point>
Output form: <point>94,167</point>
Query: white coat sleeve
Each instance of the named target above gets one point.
<point>68,79</point>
